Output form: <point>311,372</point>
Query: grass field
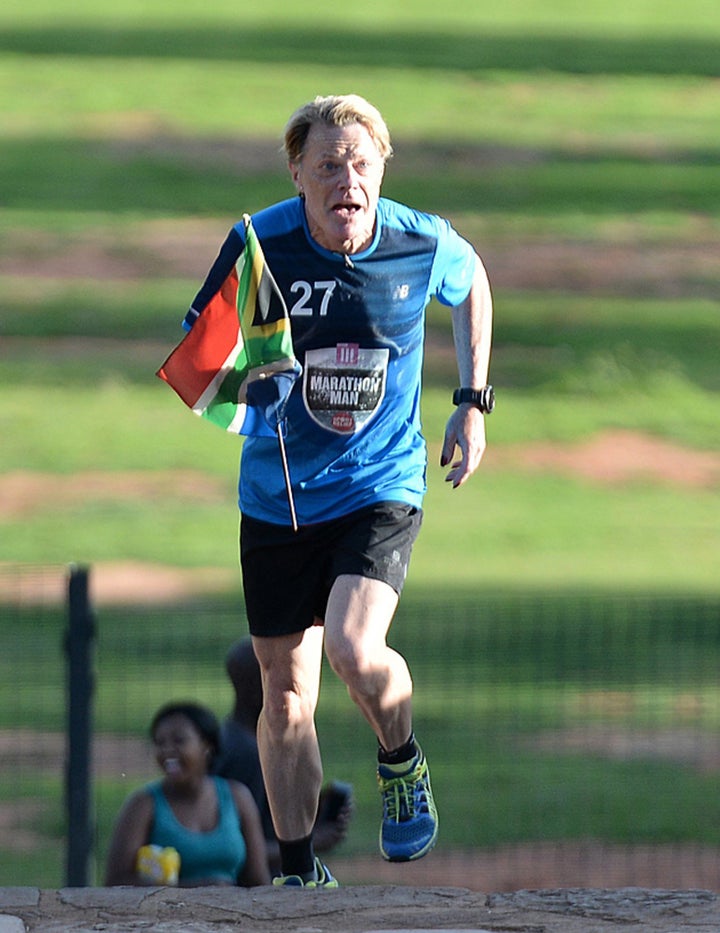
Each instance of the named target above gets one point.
<point>577,148</point>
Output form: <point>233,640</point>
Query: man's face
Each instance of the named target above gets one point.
<point>340,174</point>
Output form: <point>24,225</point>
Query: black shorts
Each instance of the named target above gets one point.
<point>287,575</point>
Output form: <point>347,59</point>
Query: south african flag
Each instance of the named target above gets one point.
<point>236,367</point>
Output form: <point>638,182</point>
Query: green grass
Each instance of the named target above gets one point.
<point>627,537</point>
<point>494,670</point>
<point>91,177</point>
<point>495,673</point>
<point>537,601</point>
<point>700,17</point>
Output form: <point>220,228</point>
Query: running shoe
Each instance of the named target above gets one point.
<point>410,822</point>
<point>324,879</point>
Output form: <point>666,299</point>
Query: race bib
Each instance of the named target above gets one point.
<point>343,386</point>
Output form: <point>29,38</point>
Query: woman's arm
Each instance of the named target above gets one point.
<point>256,869</point>
<point>132,830</point>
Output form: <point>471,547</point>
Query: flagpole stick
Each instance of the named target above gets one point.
<point>286,474</point>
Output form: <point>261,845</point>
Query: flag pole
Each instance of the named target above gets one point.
<point>286,474</point>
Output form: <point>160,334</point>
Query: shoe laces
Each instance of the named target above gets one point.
<point>403,795</point>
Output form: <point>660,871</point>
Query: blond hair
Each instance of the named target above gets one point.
<point>335,110</point>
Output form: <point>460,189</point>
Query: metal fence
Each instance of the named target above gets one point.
<point>574,739</point>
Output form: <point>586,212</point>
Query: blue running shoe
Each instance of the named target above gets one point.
<point>323,880</point>
<point>410,822</point>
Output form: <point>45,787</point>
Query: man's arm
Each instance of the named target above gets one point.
<point>219,271</point>
<point>472,334</point>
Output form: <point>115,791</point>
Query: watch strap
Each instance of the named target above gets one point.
<point>484,398</point>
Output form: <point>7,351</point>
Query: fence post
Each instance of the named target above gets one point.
<point>79,639</point>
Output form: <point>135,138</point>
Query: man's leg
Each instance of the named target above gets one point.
<point>287,740</point>
<point>357,620</point>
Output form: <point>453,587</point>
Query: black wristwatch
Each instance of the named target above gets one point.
<point>484,398</point>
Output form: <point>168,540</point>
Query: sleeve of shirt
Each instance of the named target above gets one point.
<point>219,271</point>
<point>454,265</point>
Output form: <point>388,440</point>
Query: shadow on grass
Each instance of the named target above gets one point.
<point>469,52</point>
<point>494,672</point>
<point>535,636</point>
<point>557,342</point>
<point>528,636</point>
<point>164,175</point>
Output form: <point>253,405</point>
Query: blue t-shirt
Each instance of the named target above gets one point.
<point>353,435</point>
<point>219,855</point>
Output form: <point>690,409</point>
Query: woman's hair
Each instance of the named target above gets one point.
<point>204,721</point>
<point>336,110</point>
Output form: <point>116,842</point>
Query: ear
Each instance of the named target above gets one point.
<point>294,169</point>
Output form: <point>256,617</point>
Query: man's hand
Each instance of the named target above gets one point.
<point>465,430</point>
<point>329,832</point>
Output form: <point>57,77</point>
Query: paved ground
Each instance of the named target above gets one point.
<point>357,910</point>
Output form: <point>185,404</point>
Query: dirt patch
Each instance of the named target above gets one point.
<point>610,457</point>
<point>542,865</point>
<point>27,750</point>
<point>117,583</point>
<point>622,269</point>
<point>614,457</point>
<point>186,249</point>
<point>556,863</point>
<point>121,252</point>
<point>24,493</point>
<point>621,264</point>
<point>14,820</point>
<point>685,746</point>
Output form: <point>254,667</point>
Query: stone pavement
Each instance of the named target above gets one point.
<point>371,909</point>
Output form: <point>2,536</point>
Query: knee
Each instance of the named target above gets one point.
<point>348,659</point>
<point>286,708</point>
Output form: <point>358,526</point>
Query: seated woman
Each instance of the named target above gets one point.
<point>213,823</point>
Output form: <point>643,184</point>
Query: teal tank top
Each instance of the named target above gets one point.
<point>219,855</point>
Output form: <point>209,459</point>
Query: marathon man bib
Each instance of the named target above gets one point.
<point>344,385</point>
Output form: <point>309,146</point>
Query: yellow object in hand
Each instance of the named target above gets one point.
<point>158,865</point>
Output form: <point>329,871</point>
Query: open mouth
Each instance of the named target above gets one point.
<point>346,210</point>
<point>171,766</point>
